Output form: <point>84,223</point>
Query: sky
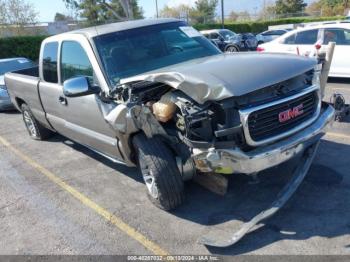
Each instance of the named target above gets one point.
<point>48,8</point>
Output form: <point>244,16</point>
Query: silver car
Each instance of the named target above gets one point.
<point>9,65</point>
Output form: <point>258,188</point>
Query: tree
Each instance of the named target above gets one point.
<point>62,17</point>
<point>233,16</point>
<point>290,6</point>
<point>17,12</point>
<point>2,12</point>
<point>180,11</point>
<point>268,12</point>
<point>204,11</point>
<point>244,16</point>
<point>99,11</point>
<point>329,7</point>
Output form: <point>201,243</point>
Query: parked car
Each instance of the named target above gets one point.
<point>270,35</point>
<point>136,94</point>
<point>8,65</point>
<point>226,40</point>
<point>249,41</point>
<point>303,40</point>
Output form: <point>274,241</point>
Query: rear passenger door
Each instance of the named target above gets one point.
<point>49,87</point>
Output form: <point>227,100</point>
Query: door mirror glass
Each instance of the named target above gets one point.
<point>79,86</point>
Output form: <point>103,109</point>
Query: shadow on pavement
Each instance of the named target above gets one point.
<point>129,171</point>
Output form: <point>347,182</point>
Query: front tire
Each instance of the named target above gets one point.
<point>36,130</point>
<point>160,172</point>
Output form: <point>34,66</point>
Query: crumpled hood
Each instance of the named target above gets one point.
<point>226,75</point>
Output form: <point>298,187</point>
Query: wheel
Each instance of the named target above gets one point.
<point>36,130</point>
<point>160,172</point>
<point>232,49</point>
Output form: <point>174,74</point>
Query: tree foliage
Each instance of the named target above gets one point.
<point>205,11</point>
<point>100,11</point>
<point>329,7</point>
<point>202,12</point>
<point>290,6</point>
<point>17,12</point>
<point>61,17</point>
<point>180,11</point>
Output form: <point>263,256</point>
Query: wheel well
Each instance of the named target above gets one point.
<point>19,102</point>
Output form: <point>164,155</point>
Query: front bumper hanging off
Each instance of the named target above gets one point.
<point>218,237</point>
<point>304,143</point>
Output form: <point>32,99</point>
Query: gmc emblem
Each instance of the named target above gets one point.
<point>291,113</point>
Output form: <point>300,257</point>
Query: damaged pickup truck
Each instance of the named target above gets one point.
<point>158,95</point>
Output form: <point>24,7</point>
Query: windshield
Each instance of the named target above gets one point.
<point>14,65</point>
<point>136,51</point>
<point>228,35</point>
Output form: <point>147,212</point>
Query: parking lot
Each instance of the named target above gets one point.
<point>56,197</point>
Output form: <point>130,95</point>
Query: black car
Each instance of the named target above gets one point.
<point>228,41</point>
<point>249,41</point>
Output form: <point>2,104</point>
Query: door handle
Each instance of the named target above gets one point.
<point>62,100</point>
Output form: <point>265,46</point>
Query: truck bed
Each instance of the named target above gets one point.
<point>23,87</point>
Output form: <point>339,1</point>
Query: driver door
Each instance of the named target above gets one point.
<point>81,118</point>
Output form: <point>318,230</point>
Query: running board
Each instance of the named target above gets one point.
<point>224,238</point>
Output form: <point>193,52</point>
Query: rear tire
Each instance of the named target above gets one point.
<point>232,49</point>
<point>36,130</point>
<point>160,172</point>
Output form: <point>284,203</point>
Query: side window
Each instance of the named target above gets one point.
<point>74,61</point>
<point>280,32</point>
<point>340,36</point>
<point>290,40</point>
<point>306,37</point>
<point>266,33</point>
<point>50,62</point>
<point>214,36</point>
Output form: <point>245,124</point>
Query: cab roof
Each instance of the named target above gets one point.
<point>91,32</point>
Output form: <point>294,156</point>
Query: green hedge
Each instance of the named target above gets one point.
<point>257,27</point>
<point>21,46</point>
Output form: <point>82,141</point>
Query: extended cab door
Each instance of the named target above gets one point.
<point>80,118</point>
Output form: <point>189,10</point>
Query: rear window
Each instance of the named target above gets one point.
<point>50,62</point>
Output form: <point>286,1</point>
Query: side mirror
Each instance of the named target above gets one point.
<point>79,86</point>
<point>221,39</point>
